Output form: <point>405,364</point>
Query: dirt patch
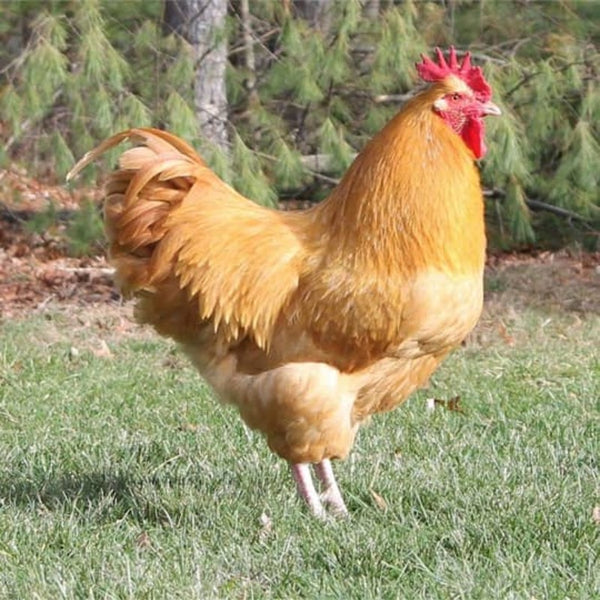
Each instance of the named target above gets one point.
<point>554,281</point>
<point>34,271</point>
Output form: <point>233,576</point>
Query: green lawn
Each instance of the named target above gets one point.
<point>121,476</point>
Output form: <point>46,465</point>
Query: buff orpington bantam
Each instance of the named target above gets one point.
<point>310,322</point>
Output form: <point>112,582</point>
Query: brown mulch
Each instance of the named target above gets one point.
<point>566,280</point>
<point>34,270</point>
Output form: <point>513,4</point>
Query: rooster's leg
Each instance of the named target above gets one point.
<point>306,489</point>
<point>331,494</point>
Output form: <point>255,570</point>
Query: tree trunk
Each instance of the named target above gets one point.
<point>249,57</point>
<point>202,24</point>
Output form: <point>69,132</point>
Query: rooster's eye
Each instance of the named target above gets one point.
<point>456,96</point>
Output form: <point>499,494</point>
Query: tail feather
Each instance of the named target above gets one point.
<point>142,226</point>
<point>162,141</point>
<point>164,168</point>
<point>136,157</point>
<point>152,178</point>
<point>157,141</point>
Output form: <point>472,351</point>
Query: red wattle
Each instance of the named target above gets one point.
<point>473,134</point>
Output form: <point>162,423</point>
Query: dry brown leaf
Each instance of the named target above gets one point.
<point>452,404</point>
<point>508,339</point>
<point>596,515</point>
<point>189,427</point>
<point>379,500</point>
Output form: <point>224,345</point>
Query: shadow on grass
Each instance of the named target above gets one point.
<point>100,496</point>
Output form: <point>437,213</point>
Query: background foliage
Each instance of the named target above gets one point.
<point>72,73</point>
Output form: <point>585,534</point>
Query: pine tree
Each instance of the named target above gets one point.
<point>308,84</point>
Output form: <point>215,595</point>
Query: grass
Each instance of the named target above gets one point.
<point>123,478</point>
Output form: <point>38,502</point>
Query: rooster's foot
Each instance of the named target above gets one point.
<point>330,495</point>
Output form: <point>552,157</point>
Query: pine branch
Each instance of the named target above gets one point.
<point>537,205</point>
<point>310,160</point>
<point>557,210</point>
<point>534,74</point>
<point>26,125</point>
<point>257,41</point>
<point>320,163</point>
<point>480,56</point>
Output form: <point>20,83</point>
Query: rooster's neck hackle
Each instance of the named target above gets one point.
<point>413,193</point>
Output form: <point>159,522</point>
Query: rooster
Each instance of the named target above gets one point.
<point>310,322</point>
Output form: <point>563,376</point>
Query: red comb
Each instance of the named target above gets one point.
<point>472,76</point>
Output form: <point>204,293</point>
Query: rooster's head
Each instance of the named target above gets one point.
<point>464,96</point>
